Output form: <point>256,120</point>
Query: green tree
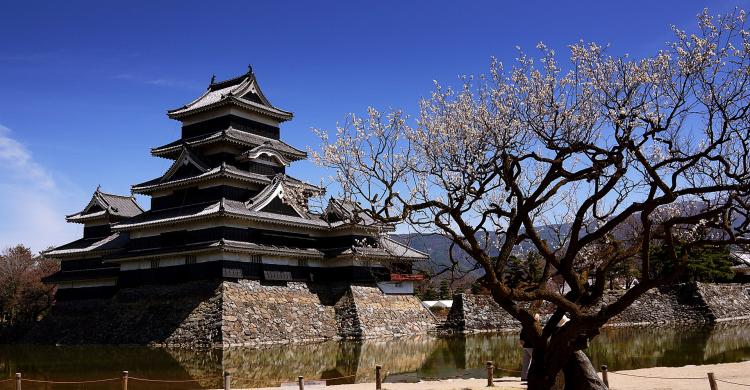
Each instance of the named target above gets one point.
<point>519,271</point>
<point>705,264</point>
<point>427,292</point>
<point>445,290</point>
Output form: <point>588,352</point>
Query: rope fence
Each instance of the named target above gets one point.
<point>733,383</point>
<point>227,379</point>
<point>712,380</point>
<point>656,377</point>
<point>19,379</point>
<point>70,382</point>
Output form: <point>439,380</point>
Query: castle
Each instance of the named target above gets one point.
<point>229,253</point>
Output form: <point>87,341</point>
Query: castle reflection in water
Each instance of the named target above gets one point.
<point>405,359</point>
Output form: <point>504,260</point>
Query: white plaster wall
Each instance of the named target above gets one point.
<point>396,287</point>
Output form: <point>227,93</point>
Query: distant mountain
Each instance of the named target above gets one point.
<point>439,248</point>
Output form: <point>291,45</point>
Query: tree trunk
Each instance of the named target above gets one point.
<point>577,373</point>
<point>581,374</point>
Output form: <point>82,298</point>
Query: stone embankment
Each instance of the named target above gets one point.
<point>256,314</point>
<point>241,313</point>
<point>726,302</point>
<point>478,313</point>
<point>688,303</point>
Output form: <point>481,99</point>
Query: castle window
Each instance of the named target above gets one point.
<point>154,263</point>
<point>190,259</point>
<point>256,259</point>
<point>302,263</point>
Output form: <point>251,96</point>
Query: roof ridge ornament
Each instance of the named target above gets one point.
<point>250,69</point>
<point>213,79</point>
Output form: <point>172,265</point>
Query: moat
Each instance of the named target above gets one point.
<point>404,359</point>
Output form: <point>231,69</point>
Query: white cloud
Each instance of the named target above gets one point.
<point>159,82</point>
<point>33,206</point>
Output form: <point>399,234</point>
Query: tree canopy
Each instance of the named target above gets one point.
<point>620,154</point>
<point>23,296</point>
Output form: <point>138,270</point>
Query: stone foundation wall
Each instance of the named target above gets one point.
<point>186,314</point>
<point>225,313</point>
<point>478,313</point>
<point>382,315</point>
<point>669,305</point>
<point>257,314</point>
<point>726,302</point>
<point>689,303</point>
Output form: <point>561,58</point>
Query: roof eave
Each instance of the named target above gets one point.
<point>83,218</point>
<point>185,112</point>
<point>146,190</point>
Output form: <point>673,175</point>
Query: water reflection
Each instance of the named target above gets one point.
<point>630,348</point>
<point>402,359</point>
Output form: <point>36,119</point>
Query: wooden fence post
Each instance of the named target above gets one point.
<point>18,381</point>
<point>604,375</point>
<point>712,381</point>
<point>378,380</point>
<point>490,373</point>
<point>124,380</point>
<point>227,380</point>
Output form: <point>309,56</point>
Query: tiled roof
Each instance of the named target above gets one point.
<point>231,208</point>
<point>242,91</point>
<point>271,249</point>
<point>386,248</point>
<point>266,149</point>
<point>239,209</point>
<point>232,135</point>
<point>161,217</point>
<point>186,157</point>
<point>225,171</point>
<point>115,205</point>
<point>279,188</point>
<point>348,211</point>
<point>226,245</point>
<point>124,206</point>
<point>110,243</point>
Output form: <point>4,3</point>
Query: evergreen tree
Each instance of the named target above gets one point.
<point>706,264</point>
<point>445,290</point>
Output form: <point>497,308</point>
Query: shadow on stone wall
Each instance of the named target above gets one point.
<point>225,313</point>
<point>185,314</point>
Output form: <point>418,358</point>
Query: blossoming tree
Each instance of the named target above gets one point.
<point>628,155</point>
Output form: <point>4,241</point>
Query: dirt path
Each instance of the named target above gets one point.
<point>656,378</point>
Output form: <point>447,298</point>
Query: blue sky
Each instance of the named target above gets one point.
<point>84,86</point>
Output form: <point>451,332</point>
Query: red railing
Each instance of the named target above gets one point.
<point>406,277</point>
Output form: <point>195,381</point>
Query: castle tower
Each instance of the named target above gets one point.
<point>227,208</point>
<point>226,211</point>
